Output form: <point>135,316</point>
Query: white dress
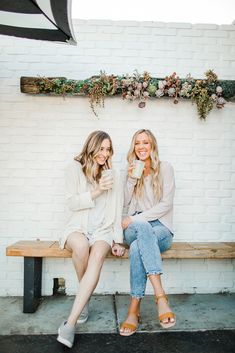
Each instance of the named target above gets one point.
<point>80,204</point>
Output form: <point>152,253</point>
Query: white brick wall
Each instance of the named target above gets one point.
<point>40,135</point>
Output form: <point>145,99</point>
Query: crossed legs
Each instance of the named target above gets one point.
<point>146,241</point>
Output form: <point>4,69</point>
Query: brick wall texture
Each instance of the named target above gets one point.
<point>39,135</point>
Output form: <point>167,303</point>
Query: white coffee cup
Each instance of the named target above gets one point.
<point>137,169</point>
<point>107,173</point>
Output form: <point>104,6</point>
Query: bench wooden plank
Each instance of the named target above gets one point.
<point>202,251</point>
<point>31,248</point>
<point>179,250</point>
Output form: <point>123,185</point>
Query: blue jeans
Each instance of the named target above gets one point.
<point>147,240</point>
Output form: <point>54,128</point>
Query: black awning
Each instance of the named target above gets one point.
<point>37,19</point>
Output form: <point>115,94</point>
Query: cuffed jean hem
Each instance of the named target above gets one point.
<point>137,296</point>
<point>154,273</point>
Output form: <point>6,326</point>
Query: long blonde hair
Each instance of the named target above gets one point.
<point>154,166</point>
<point>91,148</point>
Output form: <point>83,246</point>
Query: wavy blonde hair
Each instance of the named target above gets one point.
<point>91,148</point>
<point>154,166</point>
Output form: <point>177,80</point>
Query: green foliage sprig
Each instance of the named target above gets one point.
<point>205,93</point>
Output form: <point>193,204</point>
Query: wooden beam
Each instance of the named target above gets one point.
<point>30,84</point>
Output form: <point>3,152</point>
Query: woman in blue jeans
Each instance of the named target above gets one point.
<point>148,227</point>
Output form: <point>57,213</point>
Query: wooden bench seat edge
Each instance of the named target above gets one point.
<point>179,250</point>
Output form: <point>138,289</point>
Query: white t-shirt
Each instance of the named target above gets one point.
<point>96,214</point>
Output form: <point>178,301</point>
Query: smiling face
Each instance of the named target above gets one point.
<point>104,152</point>
<point>143,147</point>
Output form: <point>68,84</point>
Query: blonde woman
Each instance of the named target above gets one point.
<point>148,227</point>
<point>94,227</point>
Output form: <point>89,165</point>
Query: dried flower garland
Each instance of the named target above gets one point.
<point>205,93</point>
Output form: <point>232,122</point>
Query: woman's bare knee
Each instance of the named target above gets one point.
<point>78,244</point>
<point>99,251</point>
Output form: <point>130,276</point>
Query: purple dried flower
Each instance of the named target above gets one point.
<point>220,102</point>
<point>141,104</point>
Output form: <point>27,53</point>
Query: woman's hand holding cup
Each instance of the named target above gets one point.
<point>136,169</point>
<point>130,169</point>
<point>106,180</point>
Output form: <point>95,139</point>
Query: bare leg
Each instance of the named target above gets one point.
<point>89,280</point>
<point>133,315</point>
<point>79,245</point>
<point>134,307</point>
<point>138,284</point>
<point>163,306</point>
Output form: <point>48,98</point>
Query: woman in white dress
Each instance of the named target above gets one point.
<point>94,227</point>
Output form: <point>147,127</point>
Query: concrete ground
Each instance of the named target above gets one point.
<point>205,323</point>
<point>194,312</point>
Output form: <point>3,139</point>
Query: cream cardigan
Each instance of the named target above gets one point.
<point>79,202</point>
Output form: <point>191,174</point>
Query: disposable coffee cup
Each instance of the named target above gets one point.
<point>137,169</point>
<point>107,173</point>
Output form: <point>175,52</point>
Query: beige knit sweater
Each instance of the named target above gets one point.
<point>151,208</point>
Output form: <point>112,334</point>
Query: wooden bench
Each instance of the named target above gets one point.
<point>34,251</point>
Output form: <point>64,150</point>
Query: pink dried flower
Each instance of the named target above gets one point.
<point>214,97</point>
<point>161,84</point>
<point>145,94</point>
<point>219,89</point>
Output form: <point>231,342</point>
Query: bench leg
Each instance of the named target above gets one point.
<point>32,283</point>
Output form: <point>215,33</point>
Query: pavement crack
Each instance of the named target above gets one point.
<point>115,312</point>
